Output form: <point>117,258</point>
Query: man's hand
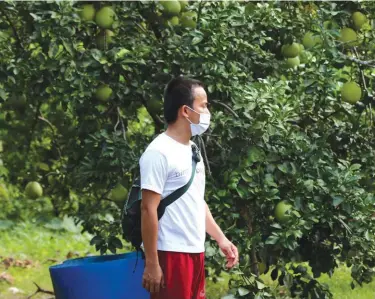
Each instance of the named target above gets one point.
<point>153,278</point>
<point>230,251</point>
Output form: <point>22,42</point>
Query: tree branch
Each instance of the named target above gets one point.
<point>204,153</point>
<point>364,81</point>
<point>158,122</point>
<point>33,126</point>
<point>13,27</point>
<point>48,122</point>
<point>54,134</point>
<point>122,124</point>
<point>370,63</point>
<point>226,107</point>
<point>40,290</point>
<point>361,70</point>
<point>201,3</point>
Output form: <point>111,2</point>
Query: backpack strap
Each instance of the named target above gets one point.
<point>171,198</point>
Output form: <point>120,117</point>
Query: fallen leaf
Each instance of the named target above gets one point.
<point>6,277</point>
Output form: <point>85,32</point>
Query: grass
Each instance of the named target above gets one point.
<point>43,247</point>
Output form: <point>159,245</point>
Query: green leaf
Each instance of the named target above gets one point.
<point>337,200</point>
<point>243,291</point>
<point>196,40</point>
<point>260,285</point>
<point>246,177</point>
<point>121,53</point>
<point>112,248</point>
<point>276,225</point>
<point>269,180</point>
<point>68,47</point>
<point>3,95</point>
<point>210,251</point>
<point>116,242</point>
<point>355,167</point>
<point>296,213</point>
<point>255,154</point>
<point>96,54</point>
<point>367,236</point>
<point>103,249</point>
<point>53,50</point>
<point>309,184</point>
<point>96,240</point>
<point>283,168</point>
<point>272,239</point>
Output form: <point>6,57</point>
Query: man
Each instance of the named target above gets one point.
<point>174,246</point>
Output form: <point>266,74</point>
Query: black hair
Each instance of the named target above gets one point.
<point>178,92</point>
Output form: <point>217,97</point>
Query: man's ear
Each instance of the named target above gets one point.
<point>183,111</point>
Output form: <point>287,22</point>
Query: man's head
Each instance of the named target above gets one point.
<point>181,94</point>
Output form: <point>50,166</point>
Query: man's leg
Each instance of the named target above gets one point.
<point>199,278</point>
<point>178,275</point>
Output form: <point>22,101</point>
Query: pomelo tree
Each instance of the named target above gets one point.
<point>289,155</point>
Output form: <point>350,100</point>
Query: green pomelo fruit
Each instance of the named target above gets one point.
<point>281,211</point>
<point>351,92</point>
<point>348,36</point>
<point>309,40</point>
<point>292,62</point>
<point>171,7</point>
<point>189,19</point>
<point>184,4</point>
<point>358,19</point>
<point>87,12</point>
<point>291,50</point>
<point>103,93</point>
<point>118,193</point>
<point>174,21</point>
<point>105,17</point>
<point>33,190</point>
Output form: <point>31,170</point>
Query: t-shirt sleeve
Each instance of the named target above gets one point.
<point>154,171</point>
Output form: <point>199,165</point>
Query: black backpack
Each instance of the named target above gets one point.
<point>131,214</point>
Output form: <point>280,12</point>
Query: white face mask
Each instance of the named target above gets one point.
<point>202,126</point>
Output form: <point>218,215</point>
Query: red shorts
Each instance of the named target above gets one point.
<point>184,275</point>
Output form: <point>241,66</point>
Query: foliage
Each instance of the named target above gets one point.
<point>278,132</point>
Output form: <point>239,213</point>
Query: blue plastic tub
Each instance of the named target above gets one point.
<point>117,276</point>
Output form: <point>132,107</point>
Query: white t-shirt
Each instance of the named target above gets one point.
<point>165,166</point>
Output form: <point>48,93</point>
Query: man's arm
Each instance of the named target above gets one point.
<point>217,234</point>
<point>153,275</point>
<point>212,228</point>
<point>149,205</point>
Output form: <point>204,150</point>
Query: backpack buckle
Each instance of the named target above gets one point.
<point>196,153</point>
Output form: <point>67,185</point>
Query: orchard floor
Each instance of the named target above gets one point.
<point>34,248</point>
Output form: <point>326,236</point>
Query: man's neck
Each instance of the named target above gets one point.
<point>179,133</point>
